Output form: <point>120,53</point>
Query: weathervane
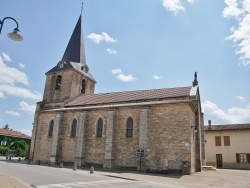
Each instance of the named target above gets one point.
<point>81,8</point>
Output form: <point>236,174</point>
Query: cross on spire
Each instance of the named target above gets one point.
<point>81,8</point>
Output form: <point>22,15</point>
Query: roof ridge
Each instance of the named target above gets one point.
<point>239,126</point>
<point>229,124</point>
<point>13,133</point>
<point>142,90</point>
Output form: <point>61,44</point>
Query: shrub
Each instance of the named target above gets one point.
<point>4,150</point>
<point>21,147</point>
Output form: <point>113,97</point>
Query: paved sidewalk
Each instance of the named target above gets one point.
<point>226,178</point>
<point>12,182</point>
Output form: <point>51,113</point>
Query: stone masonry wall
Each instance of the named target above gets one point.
<point>169,137</point>
<point>70,86</point>
<point>42,149</point>
<point>69,142</point>
<point>76,85</point>
<point>34,132</point>
<point>126,147</point>
<point>95,146</point>
<point>193,144</point>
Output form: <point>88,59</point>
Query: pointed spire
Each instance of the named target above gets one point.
<point>74,55</point>
<point>75,51</point>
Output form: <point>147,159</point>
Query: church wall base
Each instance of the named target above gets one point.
<point>108,164</point>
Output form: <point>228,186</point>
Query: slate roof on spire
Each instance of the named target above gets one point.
<point>75,50</point>
<point>74,55</point>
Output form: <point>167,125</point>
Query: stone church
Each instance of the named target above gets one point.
<point>157,129</point>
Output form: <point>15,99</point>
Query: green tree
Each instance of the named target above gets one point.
<point>21,146</point>
<point>4,150</point>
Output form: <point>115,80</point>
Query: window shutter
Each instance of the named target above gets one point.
<point>217,141</point>
<point>226,140</point>
<point>237,157</point>
<point>248,157</point>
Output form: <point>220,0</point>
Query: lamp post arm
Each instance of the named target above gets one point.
<point>1,22</point>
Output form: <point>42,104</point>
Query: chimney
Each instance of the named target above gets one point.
<point>209,124</point>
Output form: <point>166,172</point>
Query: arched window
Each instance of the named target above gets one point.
<point>83,86</point>
<point>58,82</point>
<point>51,125</point>
<point>99,128</point>
<point>73,128</point>
<point>130,127</point>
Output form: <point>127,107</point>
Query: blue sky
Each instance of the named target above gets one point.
<point>130,45</point>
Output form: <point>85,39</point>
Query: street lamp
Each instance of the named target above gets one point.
<point>15,34</point>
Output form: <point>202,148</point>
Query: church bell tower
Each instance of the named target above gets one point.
<point>71,77</point>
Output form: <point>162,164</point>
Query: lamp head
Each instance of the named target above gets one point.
<point>15,35</point>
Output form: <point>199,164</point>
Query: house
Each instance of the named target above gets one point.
<point>10,135</point>
<point>227,146</point>
<point>159,129</point>
<point>7,136</point>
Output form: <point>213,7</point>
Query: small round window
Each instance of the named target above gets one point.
<point>61,65</point>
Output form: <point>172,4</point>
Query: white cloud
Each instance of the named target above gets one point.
<point>122,77</point>
<point>9,75</point>
<point>26,107</point>
<point>111,51</point>
<point>97,38</point>
<point>19,92</point>
<point>230,116</point>
<point>6,57</point>
<point>1,94</point>
<point>240,35</point>
<point>116,71</point>
<point>1,119</point>
<point>22,65</point>
<point>128,78</point>
<point>13,113</point>
<point>240,98</point>
<point>231,9</point>
<point>156,77</point>
<point>174,6</point>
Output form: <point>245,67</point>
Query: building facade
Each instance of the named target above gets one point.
<point>159,129</point>
<point>7,136</point>
<point>227,146</point>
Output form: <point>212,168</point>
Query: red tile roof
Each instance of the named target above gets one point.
<point>227,127</point>
<point>129,96</point>
<point>9,132</point>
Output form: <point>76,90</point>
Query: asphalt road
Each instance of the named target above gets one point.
<point>41,176</point>
<point>53,177</point>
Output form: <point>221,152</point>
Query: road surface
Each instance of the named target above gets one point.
<point>40,176</point>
